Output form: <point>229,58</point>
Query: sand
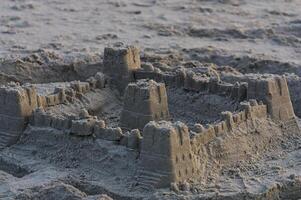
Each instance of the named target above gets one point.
<point>261,36</point>
<point>58,41</point>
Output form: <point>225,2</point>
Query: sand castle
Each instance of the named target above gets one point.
<point>169,151</point>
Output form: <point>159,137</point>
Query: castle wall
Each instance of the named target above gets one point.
<point>294,83</point>
<point>270,89</point>
<point>190,81</point>
<point>69,93</point>
<point>17,104</point>
<point>273,90</point>
<point>144,101</point>
<point>62,95</point>
<point>168,152</point>
<point>79,127</point>
<point>250,111</point>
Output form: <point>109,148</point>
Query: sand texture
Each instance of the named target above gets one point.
<point>76,139</point>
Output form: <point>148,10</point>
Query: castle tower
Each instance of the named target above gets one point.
<point>16,105</point>
<point>144,101</point>
<point>273,91</point>
<point>166,155</point>
<point>119,63</point>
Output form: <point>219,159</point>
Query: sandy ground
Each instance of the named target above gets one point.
<point>47,41</point>
<point>52,40</point>
<point>231,29</point>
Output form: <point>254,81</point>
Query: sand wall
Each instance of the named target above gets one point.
<point>192,82</point>
<point>76,126</point>
<point>174,151</point>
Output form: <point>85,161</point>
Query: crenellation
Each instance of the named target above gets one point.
<point>80,87</point>
<point>31,96</point>
<point>84,126</point>
<point>230,121</point>
<point>51,100</point>
<point>192,82</point>
<point>272,90</point>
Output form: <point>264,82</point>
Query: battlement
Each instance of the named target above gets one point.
<point>189,80</point>
<point>196,83</point>
<point>271,89</point>
<point>67,92</point>
<point>19,102</point>
<point>250,111</point>
<point>173,147</point>
<point>144,101</point>
<point>78,126</point>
